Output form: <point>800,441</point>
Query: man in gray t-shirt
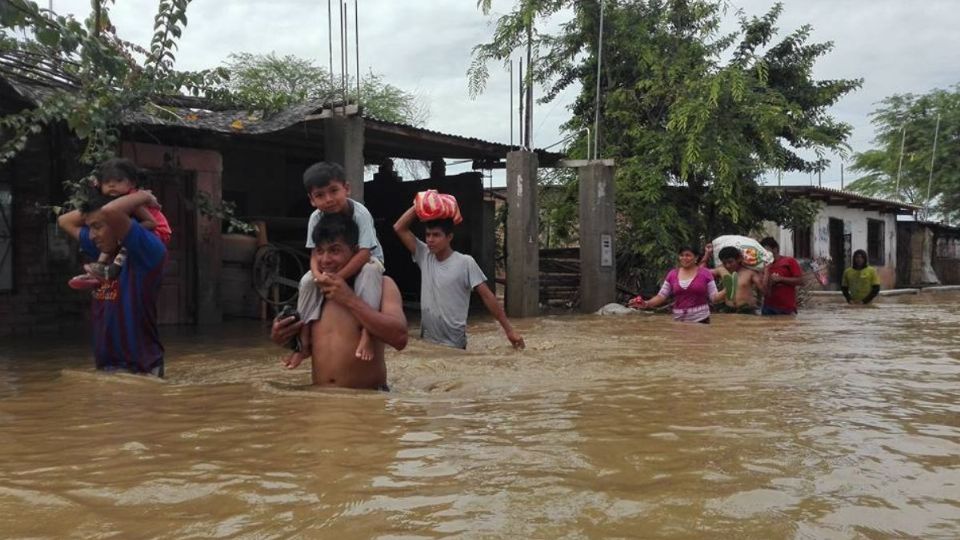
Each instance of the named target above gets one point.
<point>447,277</point>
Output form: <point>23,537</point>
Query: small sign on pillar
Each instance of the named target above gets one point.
<point>606,250</point>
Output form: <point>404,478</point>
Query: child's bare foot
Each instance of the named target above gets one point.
<point>97,270</point>
<point>294,360</point>
<point>365,347</point>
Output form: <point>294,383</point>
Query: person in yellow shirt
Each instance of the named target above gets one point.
<point>860,284</point>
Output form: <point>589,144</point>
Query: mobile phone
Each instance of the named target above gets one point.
<point>288,310</point>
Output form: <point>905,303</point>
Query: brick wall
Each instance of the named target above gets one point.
<point>43,258</point>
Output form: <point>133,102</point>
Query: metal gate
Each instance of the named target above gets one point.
<point>6,238</point>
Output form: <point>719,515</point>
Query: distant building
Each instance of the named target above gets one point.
<point>845,223</point>
<point>929,254</point>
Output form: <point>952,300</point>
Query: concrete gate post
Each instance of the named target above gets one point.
<point>485,250</point>
<point>598,271</point>
<point>343,144</point>
<point>523,232</point>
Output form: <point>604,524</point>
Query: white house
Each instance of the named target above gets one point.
<point>845,223</point>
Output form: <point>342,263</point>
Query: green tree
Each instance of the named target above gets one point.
<point>691,116</point>
<point>93,80</point>
<point>910,120</point>
<point>272,82</point>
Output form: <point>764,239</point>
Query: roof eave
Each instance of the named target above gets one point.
<point>851,200</point>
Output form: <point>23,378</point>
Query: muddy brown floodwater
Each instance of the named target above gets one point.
<point>842,423</point>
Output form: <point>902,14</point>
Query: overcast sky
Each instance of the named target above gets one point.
<point>423,46</point>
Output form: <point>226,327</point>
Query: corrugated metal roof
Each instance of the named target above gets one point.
<point>829,195</point>
<point>293,119</point>
<point>952,229</point>
<point>376,122</point>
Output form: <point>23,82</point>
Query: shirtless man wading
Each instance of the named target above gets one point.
<point>744,282</point>
<point>336,334</point>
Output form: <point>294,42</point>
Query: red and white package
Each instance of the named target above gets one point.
<point>431,205</point>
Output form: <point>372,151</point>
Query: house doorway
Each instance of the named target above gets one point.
<point>176,191</point>
<point>837,251</point>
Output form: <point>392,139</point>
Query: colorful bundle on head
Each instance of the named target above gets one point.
<point>754,255</point>
<point>750,256</point>
<point>432,205</point>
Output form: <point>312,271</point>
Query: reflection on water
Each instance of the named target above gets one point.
<point>842,423</point>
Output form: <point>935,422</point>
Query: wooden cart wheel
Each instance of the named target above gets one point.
<point>276,274</point>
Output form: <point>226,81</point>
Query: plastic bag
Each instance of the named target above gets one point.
<point>432,205</point>
<point>755,256</point>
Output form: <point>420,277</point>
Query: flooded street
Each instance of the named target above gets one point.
<point>842,423</point>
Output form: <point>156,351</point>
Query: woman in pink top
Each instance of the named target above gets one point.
<point>692,288</point>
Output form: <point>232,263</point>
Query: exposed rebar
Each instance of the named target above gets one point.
<point>903,139</point>
<point>596,120</point>
<point>343,58</point>
<point>330,41</point>
<point>528,127</point>
<point>346,55</point>
<point>356,37</point>
<point>520,119</point>
<point>933,155</point>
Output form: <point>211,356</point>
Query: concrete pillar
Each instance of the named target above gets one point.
<point>438,169</point>
<point>598,271</point>
<point>523,243</point>
<point>485,245</point>
<point>386,173</point>
<point>343,144</point>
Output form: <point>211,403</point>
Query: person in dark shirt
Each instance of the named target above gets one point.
<point>124,310</point>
